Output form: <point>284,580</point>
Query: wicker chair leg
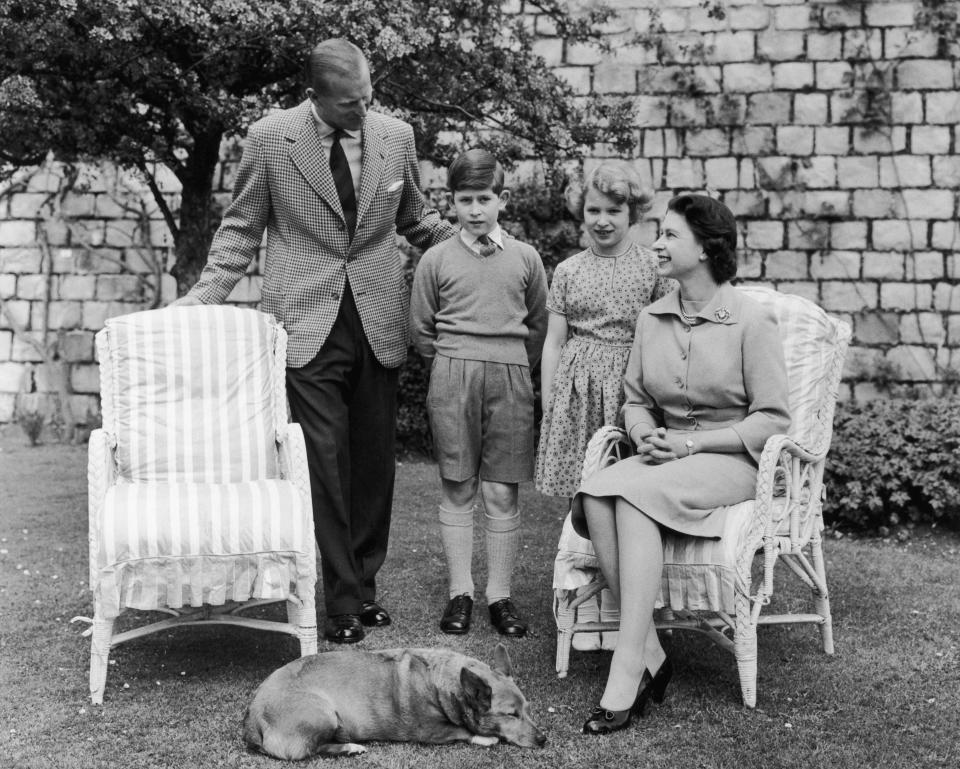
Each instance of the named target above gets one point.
<point>565,618</point>
<point>745,651</point>
<point>821,600</point>
<point>304,616</point>
<point>99,658</point>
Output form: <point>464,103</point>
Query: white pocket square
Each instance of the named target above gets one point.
<point>395,186</point>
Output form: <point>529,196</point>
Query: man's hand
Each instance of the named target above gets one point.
<point>185,301</point>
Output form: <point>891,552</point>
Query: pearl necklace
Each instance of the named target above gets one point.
<point>690,319</point>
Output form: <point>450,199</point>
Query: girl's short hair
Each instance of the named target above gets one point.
<point>475,169</point>
<point>617,180</point>
<point>715,228</point>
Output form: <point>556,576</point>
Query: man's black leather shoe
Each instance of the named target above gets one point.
<point>504,617</point>
<point>373,614</point>
<point>343,629</point>
<point>456,617</point>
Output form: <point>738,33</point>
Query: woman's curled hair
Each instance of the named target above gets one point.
<point>715,229</point>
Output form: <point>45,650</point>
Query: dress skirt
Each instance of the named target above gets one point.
<point>587,394</point>
<point>687,495</point>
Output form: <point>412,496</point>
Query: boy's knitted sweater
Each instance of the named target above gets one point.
<point>489,308</point>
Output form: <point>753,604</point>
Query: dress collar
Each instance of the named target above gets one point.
<point>723,307</point>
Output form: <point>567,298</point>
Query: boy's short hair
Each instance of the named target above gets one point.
<point>617,180</point>
<point>475,169</point>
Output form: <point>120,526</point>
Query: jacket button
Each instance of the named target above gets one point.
<point>341,227</point>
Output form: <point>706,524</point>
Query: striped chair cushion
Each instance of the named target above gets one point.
<point>191,394</point>
<point>809,341</point>
<point>166,545</point>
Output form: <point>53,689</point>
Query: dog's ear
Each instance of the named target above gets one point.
<point>476,691</point>
<point>501,661</point>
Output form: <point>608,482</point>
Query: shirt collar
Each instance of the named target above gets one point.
<point>325,129</point>
<point>496,235</point>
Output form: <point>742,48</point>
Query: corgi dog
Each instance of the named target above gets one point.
<point>325,704</point>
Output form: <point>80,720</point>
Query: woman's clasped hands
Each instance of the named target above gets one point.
<point>661,446</point>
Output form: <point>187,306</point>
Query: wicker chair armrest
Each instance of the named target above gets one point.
<point>607,445</point>
<point>101,475</point>
<point>789,481</point>
<point>294,468</point>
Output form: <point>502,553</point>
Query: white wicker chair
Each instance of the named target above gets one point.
<point>706,584</point>
<point>199,494</point>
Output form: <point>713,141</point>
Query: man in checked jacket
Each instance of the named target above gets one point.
<point>333,183</point>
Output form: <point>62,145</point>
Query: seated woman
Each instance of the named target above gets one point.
<point>705,387</point>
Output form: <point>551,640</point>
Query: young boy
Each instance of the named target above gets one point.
<point>478,314</point>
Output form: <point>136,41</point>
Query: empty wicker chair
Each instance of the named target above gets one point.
<point>199,496</point>
<point>706,584</point>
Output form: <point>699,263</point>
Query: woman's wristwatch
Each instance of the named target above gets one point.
<point>690,447</point>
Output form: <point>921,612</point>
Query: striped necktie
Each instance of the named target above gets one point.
<point>487,246</point>
<point>340,169</point>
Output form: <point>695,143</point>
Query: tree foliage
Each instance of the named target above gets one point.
<point>144,81</point>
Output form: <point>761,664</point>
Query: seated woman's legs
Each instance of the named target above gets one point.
<point>600,513</point>
<point>640,556</point>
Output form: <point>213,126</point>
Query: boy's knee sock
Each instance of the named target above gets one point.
<point>503,544</point>
<point>456,534</point>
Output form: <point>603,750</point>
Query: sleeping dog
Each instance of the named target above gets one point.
<point>323,704</point>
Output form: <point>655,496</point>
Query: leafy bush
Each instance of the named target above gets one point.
<point>894,461</point>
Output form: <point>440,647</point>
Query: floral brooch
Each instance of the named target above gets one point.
<point>722,314</point>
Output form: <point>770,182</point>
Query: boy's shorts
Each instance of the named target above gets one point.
<point>481,415</point>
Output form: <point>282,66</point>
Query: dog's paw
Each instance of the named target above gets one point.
<point>484,741</point>
<point>341,749</point>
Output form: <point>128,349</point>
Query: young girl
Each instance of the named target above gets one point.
<point>594,302</point>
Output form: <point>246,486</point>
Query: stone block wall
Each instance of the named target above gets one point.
<point>829,128</point>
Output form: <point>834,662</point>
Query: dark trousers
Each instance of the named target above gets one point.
<point>346,403</point>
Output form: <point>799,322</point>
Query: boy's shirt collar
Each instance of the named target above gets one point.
<point>496,235</point>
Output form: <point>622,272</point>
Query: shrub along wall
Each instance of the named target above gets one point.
<point>830,128</point>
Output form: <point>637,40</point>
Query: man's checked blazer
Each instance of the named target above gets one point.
<point>284,185</point>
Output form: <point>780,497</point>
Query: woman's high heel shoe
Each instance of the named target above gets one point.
<point>603,721</point>
<point>657,688</point>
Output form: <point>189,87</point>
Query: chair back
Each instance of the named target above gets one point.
<point>194,394</point>
<point>814,345</point>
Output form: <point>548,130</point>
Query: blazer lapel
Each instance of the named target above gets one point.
<point>371,170</point>
<point>310,159</point>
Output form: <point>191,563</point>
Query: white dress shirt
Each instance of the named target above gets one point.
<point>351,143</point>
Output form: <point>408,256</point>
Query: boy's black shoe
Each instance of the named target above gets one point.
<point>504,617</point>
<point>456,617</point>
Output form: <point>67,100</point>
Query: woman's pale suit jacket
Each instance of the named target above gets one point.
<point>284,185</point>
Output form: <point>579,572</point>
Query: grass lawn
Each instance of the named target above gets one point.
<point>889,697</point>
